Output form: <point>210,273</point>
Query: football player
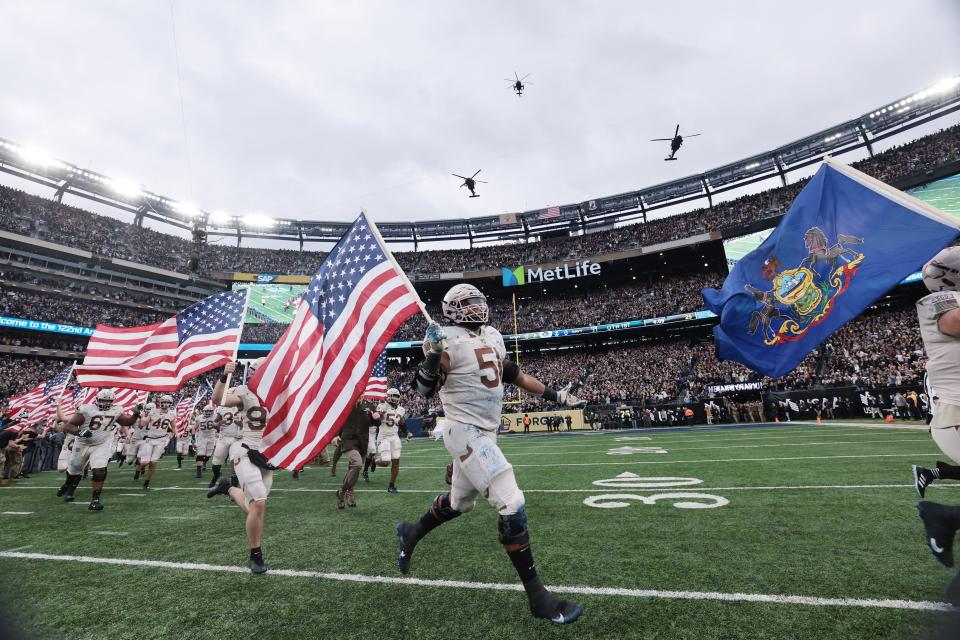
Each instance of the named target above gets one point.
<point>134,439</point>
<point>204,437</point>
<point>467,363</point>
<point>183,445</point>
<point>160,423</point>
<point>939,316</point>
<point>354,441</point>
<point>254,473</point>
<point>392,421</point>
<point>226,421</point>
<point>94,425</point>
<point>65,450</point>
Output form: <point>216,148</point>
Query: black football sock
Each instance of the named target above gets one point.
<point>256,554</point>
<point>179,460</point>
<point>72,483</point>
<point>216,472</point>
<point>438,513</point>
<point>94,496</point>
<point>946,471</point>
<point>522,560</point>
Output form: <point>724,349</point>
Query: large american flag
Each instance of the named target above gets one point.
<point>549,212</point>
<point>162,356</point>
<point>318,369</point>
<point>40,402</point>
<point>377,383</point>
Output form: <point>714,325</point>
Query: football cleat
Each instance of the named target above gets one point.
<point>213,482</point>
<point>407,544</point>
<point>940,531</point>
<point>68,497</point>
<point>366,476</point>
<point>922,478</point>
<point>341,502</point>
<point>95,505</point>
<point>545,605</point>
<point>257,566</point>
<point>392,489</point>
<point>146,485</point>
<point>62,491</point>
<point>222,488</point>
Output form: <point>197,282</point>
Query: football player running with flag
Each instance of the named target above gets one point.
<point>94,425</point>
<point>467,362</point>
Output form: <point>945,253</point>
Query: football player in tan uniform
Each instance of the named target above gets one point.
<point>134,440</point>
<point>160,424</point>
<point>939,317</point>
<point>94,426</point>
<point>184,437</point>
<point>204,437</point>
<point>392,420</point>
<point>226,421</point>
<point>255,475</point>
<point>467,362</point>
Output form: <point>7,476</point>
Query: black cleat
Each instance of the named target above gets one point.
<point>922,478</point>
<point>68,497</point>
<point>146,485</point>
<point>223,487</point>
<point>407,544</point>
<point>546,605</point>
<point>392,489</point>
<point>366,477</point>
<point>62,491</point>
<point>257,566</point>
<point>95,505</point>
<point>940,532</point>
<point>213,482</point>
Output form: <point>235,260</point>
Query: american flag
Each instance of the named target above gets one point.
<point>126,399</point>
<point>315,373</point>
<point>377,384</point>
<point>162,356</point>
<point>549,212</point>
<point>41,401</point>
<point>187,404</point>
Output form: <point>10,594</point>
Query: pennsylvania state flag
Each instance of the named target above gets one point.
<point>846,240</point>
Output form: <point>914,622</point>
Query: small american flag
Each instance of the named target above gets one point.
<point>126,399</point>
<point>315,373</point>
<point>549,212</point>
<point>41,401</point>
<point>187,404</point>
<point>162,356</point>
<point>377,384</point>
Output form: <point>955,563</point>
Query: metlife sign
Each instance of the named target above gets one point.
<point>529,275</point>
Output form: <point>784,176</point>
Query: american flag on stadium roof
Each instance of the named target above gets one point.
<point>549,212</point>
<point>40,403</point>
<point>377,384</point>
<point>318,369</point>
<point>162,356</point>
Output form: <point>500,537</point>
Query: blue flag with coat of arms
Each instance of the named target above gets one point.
<point>846,240</point>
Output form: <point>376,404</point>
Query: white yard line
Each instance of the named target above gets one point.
<point>17,513</point>
<point>812,601</point>
<point>29,546</point>
<point>112,533</point>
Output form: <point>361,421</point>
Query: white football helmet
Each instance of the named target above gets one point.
<point>253,366</point>
<point>150,406</point>
<point>942,273</point>
<point>393,397</point>
<point>465,304</point>
<point>105,399</point>
<point>207,411</point>
<point>166,402</point>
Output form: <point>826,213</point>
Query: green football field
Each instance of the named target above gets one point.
<point>269,299</point>
<point>802,532</point>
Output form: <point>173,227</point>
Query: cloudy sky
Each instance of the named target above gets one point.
<point>315,109</point>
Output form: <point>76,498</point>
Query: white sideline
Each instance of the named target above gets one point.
<point>916,605</point>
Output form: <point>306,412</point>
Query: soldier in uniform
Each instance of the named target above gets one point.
<point>94,426</point>
<point>467,362</point>
<point>354,440</point>
<point>253,472</point>
<point>939,316</point>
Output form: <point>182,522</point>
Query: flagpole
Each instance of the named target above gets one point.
<point>236,349</point>
<point>416,296</point>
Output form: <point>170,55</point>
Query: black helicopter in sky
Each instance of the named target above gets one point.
<point>471,183</point>
<point>675,142</point>
<point>517,83</point>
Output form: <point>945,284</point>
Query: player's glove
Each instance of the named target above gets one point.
<point>566,398</point>
<point>435,337</point>
<point>86,433</point>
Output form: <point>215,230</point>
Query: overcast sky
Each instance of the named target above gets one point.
<point>315,109</point>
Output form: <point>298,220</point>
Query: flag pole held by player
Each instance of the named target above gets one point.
<point>236,349</point>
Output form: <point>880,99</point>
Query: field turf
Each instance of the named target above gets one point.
<point>818,538</point>
<point>269,300</point>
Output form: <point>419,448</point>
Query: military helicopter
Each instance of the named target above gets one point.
<point>517,84</point>
<point>675,142</point>
<point>471,183</point>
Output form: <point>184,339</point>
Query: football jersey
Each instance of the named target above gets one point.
<point>229,421</point>
<point>390,419</point>
<point>103,423</point>
<point>473,390</point>
<point>943,351</point>
<point>253,416</point>
<point>204,425</point>
<point>159,422</point>
<point>135,434</point>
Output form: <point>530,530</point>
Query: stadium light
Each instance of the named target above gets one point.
<point>220,217</point>
<point>126,188</point>
<point>945,85</point>
<point>258,220</point>
<point>36,156</point>
<point>186,209</point>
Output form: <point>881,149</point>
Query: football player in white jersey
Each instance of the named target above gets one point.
<point>134,439</point>
<point>65,450</point>
<point>254,474</point>
<point>94,426</point>
<point>939,317</point>
<point>392,421</point>
<point>204,437</point>
<point>184,437</point>
<point>467,362</point>
<point>160,424</point>
<point>226,421</point>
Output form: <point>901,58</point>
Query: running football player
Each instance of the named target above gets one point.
<point>467,363</point>
<point>225,421</point>
<point>204,437</point>
<point>254,473</point>
<point>184,437</point>
<point>93,425</point>
<point>392,421</point>
<point>939,316</point>
<point>134,438</point>
<point>160,423</point>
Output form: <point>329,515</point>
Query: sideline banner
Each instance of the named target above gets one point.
<point>538,420</point>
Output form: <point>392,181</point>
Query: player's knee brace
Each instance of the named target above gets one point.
<point>99,475</point>
<point>443,509</point>
<point>513,528</point>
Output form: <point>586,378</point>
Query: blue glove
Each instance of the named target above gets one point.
<point>435,337</point>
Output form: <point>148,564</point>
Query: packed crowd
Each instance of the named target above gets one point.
<point>49,220</point>
<point>65,310</point>
<point>74,285</point>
